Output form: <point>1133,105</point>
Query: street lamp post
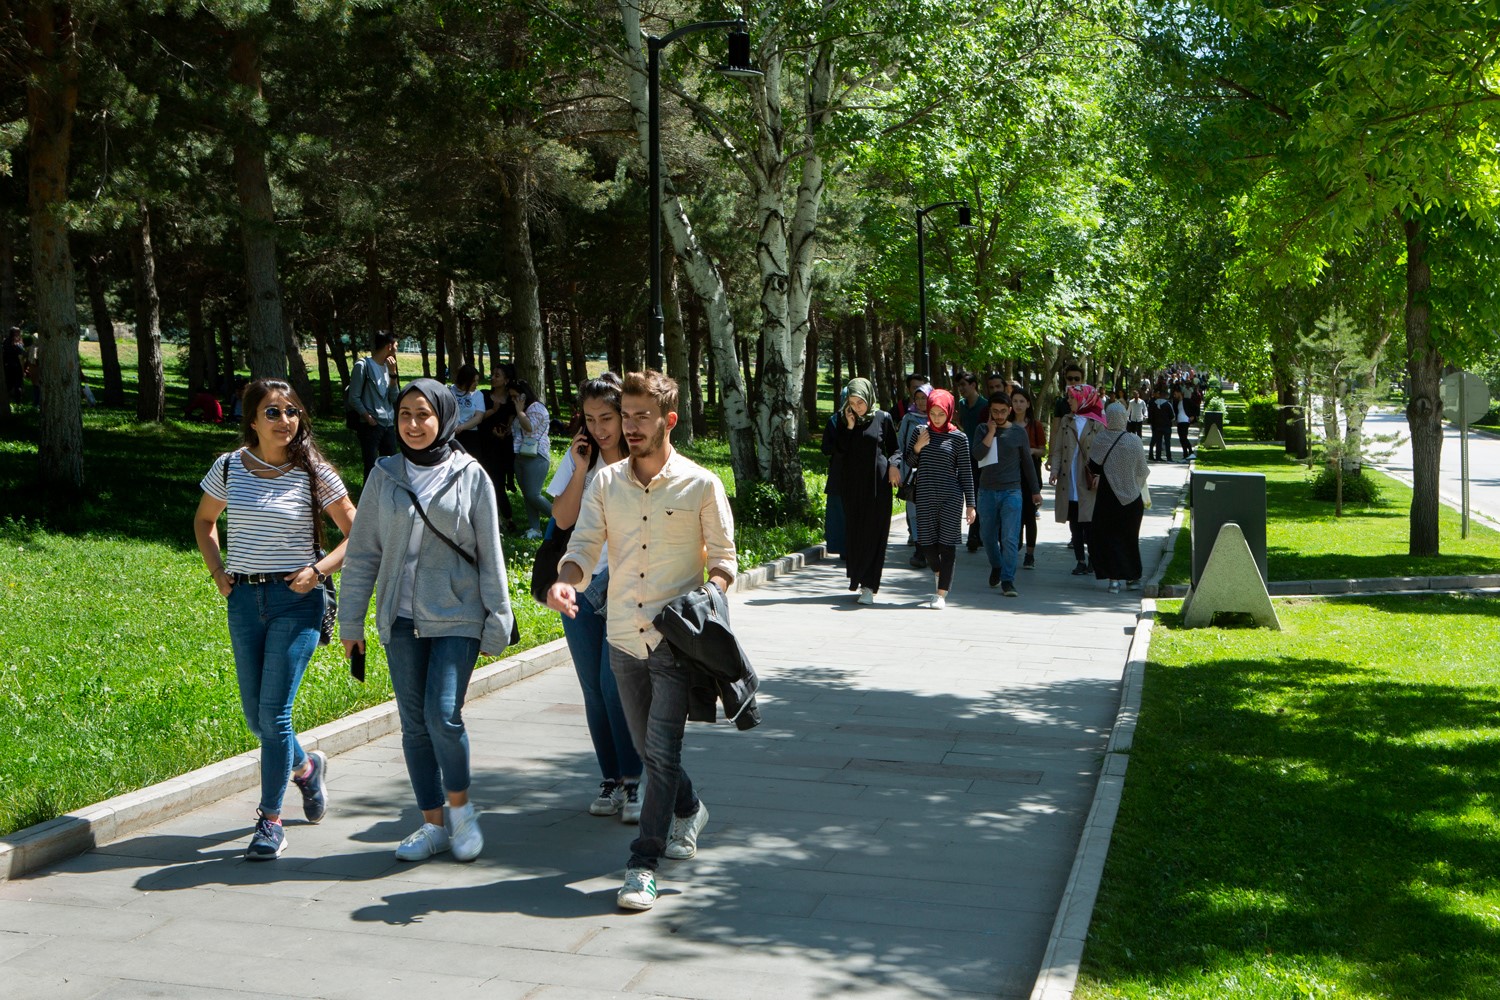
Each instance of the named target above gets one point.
<point>738,67</point>
<point>965,221</point>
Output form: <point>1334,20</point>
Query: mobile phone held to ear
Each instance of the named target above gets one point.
<point>357,663</point>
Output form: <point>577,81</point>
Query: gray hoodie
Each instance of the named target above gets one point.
<point>450,597</point>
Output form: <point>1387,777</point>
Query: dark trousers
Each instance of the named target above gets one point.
<point>940,560</point>
<point>1182,435</point>
<point>1161,443</point>
<point>375,442</point>
<point>1078,533</point>
<point>1133,427</point>
<point>654,694</point>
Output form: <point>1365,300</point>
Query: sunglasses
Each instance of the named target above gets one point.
<point>277,412</point>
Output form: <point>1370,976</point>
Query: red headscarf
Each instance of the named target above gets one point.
<point>940,399</point>
<point>1090,403</point>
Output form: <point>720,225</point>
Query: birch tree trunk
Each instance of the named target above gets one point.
<point>701,273</point>
<point>151,398</point>
<point>1424,412</point>
<point>51,97</point>
<point>265,338</point>
<point>520,277</point>
<point>448,330</point>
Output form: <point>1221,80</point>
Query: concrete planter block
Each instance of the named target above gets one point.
<point>1231,581</point>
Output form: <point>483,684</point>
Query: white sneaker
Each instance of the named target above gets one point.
<point>463,829</point>
<point>1114,586</point>
<point>429,839</point>
<point>1132,585</point>
<point>866,596</point>
<point>611,798</point>
<point>630,812</point>
<point>682,838</point>
<point>639,890</point>
<point>532,534</point>
<point>938,602</point>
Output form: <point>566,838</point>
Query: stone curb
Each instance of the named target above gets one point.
<point>1064,954</point>
<point>113,819</point>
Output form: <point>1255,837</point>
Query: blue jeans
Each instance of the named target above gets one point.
<point>1000,528</point>
<point>654,693</point>
<point>430,678</point>
<point>531,470</point>
<point>273,631</point>
<point>608,727</point>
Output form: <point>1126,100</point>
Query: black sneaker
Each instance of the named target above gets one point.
<point>1008,589</point>
<point>314,787</point>
<point>994,578</point>
<point>268,841</point>
<point>917,562</point>
<point>1081,569</point>
<point>1029,562</point>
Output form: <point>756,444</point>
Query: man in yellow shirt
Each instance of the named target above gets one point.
<point>666,520</point>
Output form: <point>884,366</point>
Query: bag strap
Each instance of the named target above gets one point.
<point>433,528</point>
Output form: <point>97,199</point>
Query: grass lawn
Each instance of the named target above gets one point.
<point>115,669</point>
<point>1304,541</point>
<point>1311,813</point>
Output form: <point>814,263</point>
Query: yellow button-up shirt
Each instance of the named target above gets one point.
<point>663,537</point>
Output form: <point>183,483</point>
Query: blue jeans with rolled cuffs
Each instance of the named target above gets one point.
<point>654,692</point>
<point>608,727</point>
<point>274,632</point>
<point>431,677</point>
<point>1000,528</point>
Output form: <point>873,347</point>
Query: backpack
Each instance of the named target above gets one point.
<point>353,419</point>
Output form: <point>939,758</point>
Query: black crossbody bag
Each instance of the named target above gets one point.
<point>515,629</point>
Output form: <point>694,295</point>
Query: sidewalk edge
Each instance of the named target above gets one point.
<point>1065,944</point>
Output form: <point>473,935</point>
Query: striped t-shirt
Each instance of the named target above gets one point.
<point>270,520</point>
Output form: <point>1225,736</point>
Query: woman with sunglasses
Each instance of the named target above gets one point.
<point>276,489</point>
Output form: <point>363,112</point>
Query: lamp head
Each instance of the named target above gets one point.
<point>965,217</point>
<point>739,66</point>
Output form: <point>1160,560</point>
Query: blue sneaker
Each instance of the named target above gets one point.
<point>314,787</point>
<point>268,841</point>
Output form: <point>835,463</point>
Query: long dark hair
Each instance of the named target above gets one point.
<point>605,387</point>
<point>1030,402</point>
<point>302,450</point>
<point>528,394</point>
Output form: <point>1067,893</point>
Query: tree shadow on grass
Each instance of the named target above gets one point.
<point>1304,810</point>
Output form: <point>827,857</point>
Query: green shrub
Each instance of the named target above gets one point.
<point>1359,489</point>
<point>1261,413</point>
<point>762,505</point>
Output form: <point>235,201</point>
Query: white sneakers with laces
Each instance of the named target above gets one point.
<point>429,839</point>
<point>464,832</point>
<point>639,890</point>
<point>682,837</point>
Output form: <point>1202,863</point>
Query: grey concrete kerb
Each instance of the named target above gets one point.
<point>125,815</point>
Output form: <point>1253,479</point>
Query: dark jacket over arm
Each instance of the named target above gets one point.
<point>696,626</point>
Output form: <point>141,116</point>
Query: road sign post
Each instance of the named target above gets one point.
<point>1466,398</point>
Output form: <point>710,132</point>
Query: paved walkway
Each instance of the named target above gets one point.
<point>901,826</point>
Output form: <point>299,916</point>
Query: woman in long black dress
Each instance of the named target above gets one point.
<point>865,466</point>
<point>496,452</point>
<point>1118,458</point>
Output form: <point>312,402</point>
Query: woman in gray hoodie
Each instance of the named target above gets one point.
<point>427,542</point>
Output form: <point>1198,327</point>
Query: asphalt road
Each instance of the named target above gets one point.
<point>1484,462</point>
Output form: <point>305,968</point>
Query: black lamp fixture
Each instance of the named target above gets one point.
<point>965,221</point>
<point>738,67</point>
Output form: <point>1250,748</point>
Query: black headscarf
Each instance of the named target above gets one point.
<point>446,408</point>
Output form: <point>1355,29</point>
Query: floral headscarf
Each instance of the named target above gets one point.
<point>1090,403</point>
<point>940,399</point>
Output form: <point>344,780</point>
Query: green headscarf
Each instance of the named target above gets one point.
<point>863,388</point>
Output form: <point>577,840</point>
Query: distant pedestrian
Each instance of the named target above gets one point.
<point>1118,458</point>
<point>906,432</point>
<point>1072,375</point>
<point>944,491</point>
<point>1073,500</point>
<point>864,456</point>
<point>908,402</point>
<point>373,386</point>
<point>276,489</point>
<point>973,412</point>
<point>472,406</point>
<point>1136,413</point>
<point>1006,484</point>
<point>203,407</point>
<point>1036,439</point>
<point>834,530</point>
<point>533,448</point>
<point>1161,418</point>
<point>427,545</point>
<point>1184,420</point>
<point>599,443</point>
<point>497,450</point>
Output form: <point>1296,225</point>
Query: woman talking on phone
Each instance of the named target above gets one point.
<point>428,546</point>
<point>865,463</point>
<point>533,454</point>
<point>276,489</point>
<point>599,442</point>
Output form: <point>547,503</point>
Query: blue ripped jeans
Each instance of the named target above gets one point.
<point>274,632</point>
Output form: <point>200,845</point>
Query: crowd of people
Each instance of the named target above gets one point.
<point>971,472</point>
<point>651,548</point>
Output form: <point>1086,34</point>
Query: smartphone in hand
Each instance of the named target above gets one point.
<point>357,663</point>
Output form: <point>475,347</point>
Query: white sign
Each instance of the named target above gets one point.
<point>1476,398</point>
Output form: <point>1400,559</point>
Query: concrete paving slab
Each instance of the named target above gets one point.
<point>902,826</point>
